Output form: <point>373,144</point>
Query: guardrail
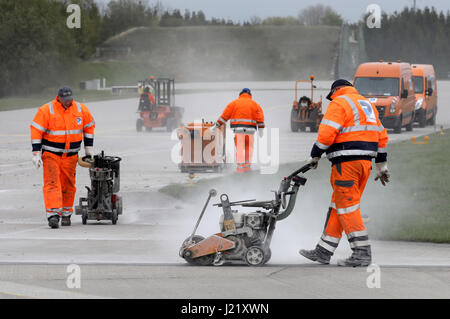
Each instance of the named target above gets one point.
<point>122,90</point>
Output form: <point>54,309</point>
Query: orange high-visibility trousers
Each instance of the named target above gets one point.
<point>348,180</point>
<point>59,183</point>
<point>244,151</point>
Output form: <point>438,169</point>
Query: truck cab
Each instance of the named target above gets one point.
<point>390,88</point>
<point>426,94</point>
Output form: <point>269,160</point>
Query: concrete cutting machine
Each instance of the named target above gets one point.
<point>202,151</point>
<point>102,201</point>
<point>306,113</point>
<point>244,237</point>
<point>163,113</point>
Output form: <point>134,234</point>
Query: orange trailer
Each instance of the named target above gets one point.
<point>201,151</point>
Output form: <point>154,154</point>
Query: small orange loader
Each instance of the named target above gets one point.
<point>306,113</point>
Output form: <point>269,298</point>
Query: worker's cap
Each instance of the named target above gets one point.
<point>245,90</point>
<point>65,93</point>
<point>337,83</point>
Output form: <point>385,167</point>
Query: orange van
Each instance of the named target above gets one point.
<point>426,94</point>
<point>389,86</point>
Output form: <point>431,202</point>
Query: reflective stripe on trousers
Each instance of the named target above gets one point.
<point>67,211</point>
<point>53,212</point>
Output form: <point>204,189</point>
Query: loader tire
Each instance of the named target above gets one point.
<point>294,125</point>
<point>139,124</point>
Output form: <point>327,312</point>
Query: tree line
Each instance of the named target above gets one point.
<point>419,36</point>
<point>36,44</point>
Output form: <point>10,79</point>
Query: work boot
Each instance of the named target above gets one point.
<point>318,254</point>
<point>65,221</point>
<point>53,221</point>
<point>361,257</point>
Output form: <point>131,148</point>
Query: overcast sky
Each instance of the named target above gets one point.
<point>243,10</point>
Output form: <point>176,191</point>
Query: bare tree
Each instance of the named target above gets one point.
<point>255,20</point>
<point>319,14</point>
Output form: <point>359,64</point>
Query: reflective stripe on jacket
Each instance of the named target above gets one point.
<point>61,131</point>
<point>243,112</point>
<point>351,129</point>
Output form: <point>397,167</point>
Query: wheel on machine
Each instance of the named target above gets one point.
<point>139,125</point>
<point>149,129</point>
<point>114,217</point>
<point>200,261</point>
<point>254,256</point>
<point>119,205</point>
<point>84,217</point>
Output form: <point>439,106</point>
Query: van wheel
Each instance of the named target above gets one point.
<point>139,124</point>
<point>409,127</point>
<point>432,120</point>
<point>422,119</point>
<point>398,126</point>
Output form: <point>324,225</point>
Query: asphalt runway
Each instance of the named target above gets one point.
<point>138,258</point>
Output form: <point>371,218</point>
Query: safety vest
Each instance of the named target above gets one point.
<point>243,112</point>
<point>351,129</point>
<point>60,131</point>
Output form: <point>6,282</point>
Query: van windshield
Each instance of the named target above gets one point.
<point>418,82</point>
<point>375,86</point>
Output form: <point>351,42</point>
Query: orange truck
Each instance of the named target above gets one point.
<point>426,94</point>
<point>390,87</point>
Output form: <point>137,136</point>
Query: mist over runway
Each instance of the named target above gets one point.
<point>153,225</point>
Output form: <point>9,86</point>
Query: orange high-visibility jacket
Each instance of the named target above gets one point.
<point>151,98</point>
<point>243,112</point>
<point>60,131</point>
<point>351,129</point>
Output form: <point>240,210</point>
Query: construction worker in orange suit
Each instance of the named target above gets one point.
<point>352,135</point>
<point>146,99</point>
<point>57,131</point>
<point>245,116</point>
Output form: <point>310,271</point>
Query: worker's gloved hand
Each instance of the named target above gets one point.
<point>89,154</point>
<point>37,160</point>
<point>261,132</point>
<point>382,173</point>
<point>212,130</point>
<point>313,161</point>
